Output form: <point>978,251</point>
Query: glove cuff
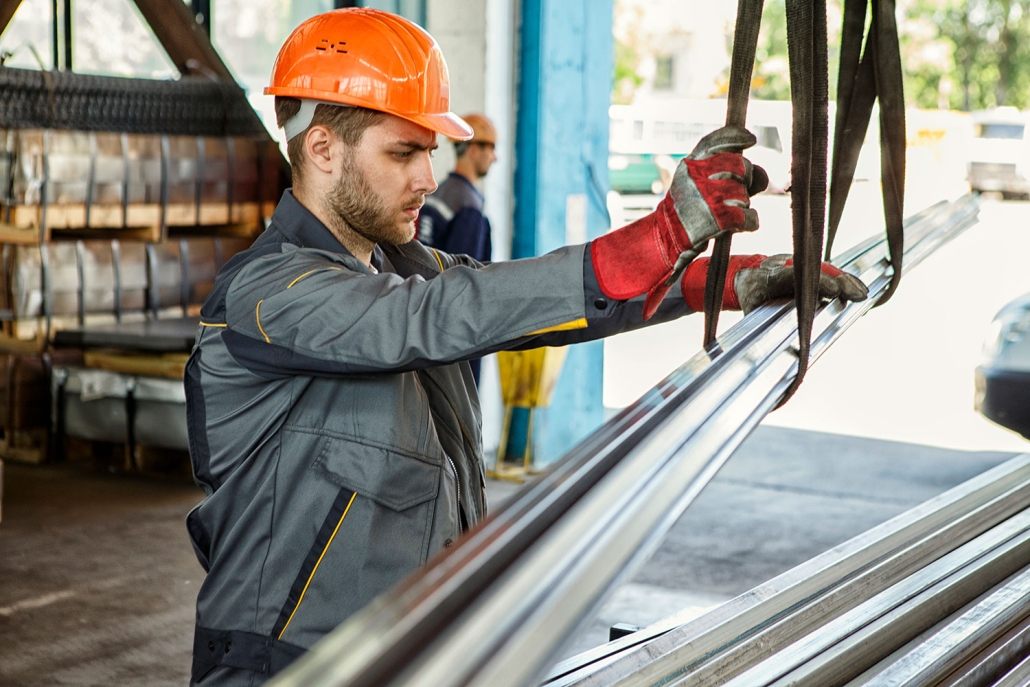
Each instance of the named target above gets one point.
<point>693,284</point>
<point>639,257</point>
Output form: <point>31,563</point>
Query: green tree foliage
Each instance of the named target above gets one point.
<point>967,55</point>
<point>957,54</point>
<point>771,77</point>
<point>626,78</point>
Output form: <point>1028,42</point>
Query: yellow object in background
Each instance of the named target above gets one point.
<point>528,379</point>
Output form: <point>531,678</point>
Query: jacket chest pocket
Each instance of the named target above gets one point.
<point>393,507</point>
<point>381,522</point>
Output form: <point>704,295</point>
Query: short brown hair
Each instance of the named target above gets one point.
<point>347,123</point>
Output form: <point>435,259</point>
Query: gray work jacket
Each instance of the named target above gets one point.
<point>335,426</point>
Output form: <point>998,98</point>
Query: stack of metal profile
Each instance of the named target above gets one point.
<point>44,288</point>
<point>67,179</point>
<point>939,595</point>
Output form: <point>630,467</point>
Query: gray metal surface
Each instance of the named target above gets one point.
<point>496,622</point>
<point>159,413</point>
<point>157,336</point>
<point>974,506</point>
<point>849,644</point>
<point>939,655</point>
<point>91,404</point>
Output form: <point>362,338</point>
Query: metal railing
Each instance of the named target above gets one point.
<point>497,607</point>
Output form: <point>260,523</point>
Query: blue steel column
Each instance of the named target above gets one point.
<point>564,91</point>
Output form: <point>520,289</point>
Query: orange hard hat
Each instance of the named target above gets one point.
<point>369,58</point>
<point>483,130</point>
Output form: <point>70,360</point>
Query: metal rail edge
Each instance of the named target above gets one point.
<point>498,606</point>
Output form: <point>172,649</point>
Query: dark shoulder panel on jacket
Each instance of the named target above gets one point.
<point>270,241</point>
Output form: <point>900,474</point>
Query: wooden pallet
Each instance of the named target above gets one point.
<point>167,365</point>
<point>27,224</point>
<point>25,445</point>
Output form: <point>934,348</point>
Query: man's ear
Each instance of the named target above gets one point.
<point>318,148</point>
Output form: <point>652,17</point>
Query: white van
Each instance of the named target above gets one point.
<point>998,155</point>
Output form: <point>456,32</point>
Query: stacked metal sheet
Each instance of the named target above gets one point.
<point>95,180</point>
<point>44,287</point>
<point>94,171</point>
<point>79,151</point>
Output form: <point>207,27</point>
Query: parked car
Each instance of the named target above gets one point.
<point>1003,378</point>
<point>999,153</point>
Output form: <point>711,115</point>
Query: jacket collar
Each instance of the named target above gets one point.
<point>303,228</point>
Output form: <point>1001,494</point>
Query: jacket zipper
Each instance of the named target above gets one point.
<point>457,480</point>
<point>457,488</point>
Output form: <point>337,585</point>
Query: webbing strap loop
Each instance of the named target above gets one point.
<point>876,75</point>
<point>745,45</point>
<point>809,90</point>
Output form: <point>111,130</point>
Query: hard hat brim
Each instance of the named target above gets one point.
<point>446,123</point>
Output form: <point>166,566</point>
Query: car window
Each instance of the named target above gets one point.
<point>1011,131</point>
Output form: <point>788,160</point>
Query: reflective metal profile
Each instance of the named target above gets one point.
<point>497,607</point>
<point>722,643</point>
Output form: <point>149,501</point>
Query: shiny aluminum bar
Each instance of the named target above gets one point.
<point>1017,677</point>
<point>720,645</point>
<point>939,655</point>
<point>496,608</point>
<point>848,645</point>
<point>827,584</point>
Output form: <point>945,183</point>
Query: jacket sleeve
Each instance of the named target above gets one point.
<point>604,316</point>
<point>301,311</point>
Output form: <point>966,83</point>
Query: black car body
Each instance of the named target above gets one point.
<point>1003,378</point>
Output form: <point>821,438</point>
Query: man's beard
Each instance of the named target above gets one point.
<point>357,205</point>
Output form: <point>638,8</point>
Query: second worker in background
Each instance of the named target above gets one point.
<point>452,219</point>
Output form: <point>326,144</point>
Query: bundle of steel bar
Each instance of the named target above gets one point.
<point>496,608</point>
<point>188,106</point>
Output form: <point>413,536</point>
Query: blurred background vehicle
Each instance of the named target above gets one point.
<point>998,153</point>
<point>1003,378</point>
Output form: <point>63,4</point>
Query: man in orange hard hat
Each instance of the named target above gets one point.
<point>452,219</point>
<point>333,421</point>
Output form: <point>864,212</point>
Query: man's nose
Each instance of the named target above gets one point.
<point>424,180</point>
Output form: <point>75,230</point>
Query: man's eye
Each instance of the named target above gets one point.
<point>403,155</point>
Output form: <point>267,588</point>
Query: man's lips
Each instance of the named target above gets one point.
<point>412,211</point>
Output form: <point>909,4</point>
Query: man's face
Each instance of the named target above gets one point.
<point>382,182</point>
<point>482,156</point>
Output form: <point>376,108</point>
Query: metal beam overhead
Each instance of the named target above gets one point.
<point>186,43</point>
<point>7,10</point>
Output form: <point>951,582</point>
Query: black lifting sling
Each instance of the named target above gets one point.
<point>861,81</point>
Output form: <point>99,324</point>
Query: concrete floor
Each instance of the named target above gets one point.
<point>98,580</point>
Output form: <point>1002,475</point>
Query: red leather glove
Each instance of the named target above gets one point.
<point>755,279</point>
<point>709,195</point>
